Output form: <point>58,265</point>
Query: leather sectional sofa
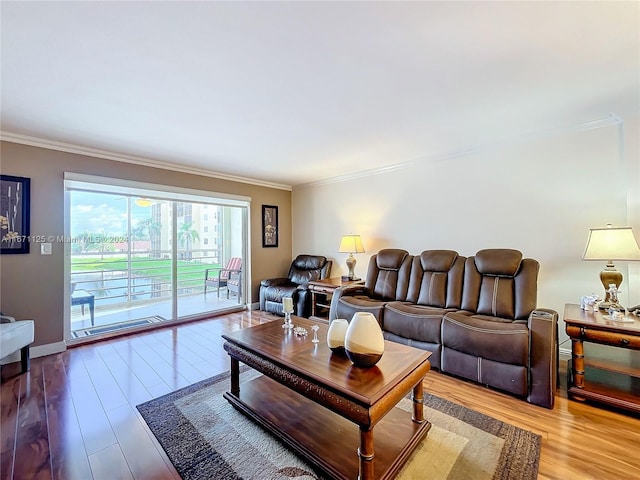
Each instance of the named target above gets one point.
<point>477,315</point>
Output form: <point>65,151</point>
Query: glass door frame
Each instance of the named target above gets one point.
<point>75,181</point>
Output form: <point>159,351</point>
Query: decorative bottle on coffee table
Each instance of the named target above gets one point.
<point>335,335</point>
<point>364,343</point>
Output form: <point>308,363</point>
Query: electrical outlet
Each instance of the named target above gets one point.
<point>45,249</point>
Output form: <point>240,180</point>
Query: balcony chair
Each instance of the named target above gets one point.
<point>303,269</point>
<point>234,285</point>
<point>218,277</point>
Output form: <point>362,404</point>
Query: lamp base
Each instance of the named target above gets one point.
<point>351,264</point>
<point>609,276</point>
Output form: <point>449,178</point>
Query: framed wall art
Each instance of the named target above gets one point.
<point>269,226</point>
<point>14,214</point>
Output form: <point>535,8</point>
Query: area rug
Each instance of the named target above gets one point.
<point>206,438</point>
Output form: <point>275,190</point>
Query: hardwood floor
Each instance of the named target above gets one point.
<point>73,415</point>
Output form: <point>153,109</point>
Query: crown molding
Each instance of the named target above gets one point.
<point>610,119</point>
<point>118,157</point>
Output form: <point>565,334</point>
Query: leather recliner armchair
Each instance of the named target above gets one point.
<point>304,269</point>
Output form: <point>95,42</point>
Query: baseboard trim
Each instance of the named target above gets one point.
<point>37,351</point>
<point>47,349</point>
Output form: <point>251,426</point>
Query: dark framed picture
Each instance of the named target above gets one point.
<point>14,214</point>
<point>269,226</point>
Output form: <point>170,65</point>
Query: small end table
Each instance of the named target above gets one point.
<point>321,291</point>
<point>609,377</point>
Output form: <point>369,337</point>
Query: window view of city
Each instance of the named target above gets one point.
<point>131,262</point>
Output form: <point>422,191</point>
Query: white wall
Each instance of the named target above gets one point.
<point>539,194</point>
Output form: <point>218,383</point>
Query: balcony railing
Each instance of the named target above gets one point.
<point>116,278</point>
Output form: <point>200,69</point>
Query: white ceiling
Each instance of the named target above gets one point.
<point>296,92</point>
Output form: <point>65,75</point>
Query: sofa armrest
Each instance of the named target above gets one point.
<point>543,356</point>
<point>340,292</point>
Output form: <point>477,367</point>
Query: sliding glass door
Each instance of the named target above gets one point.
<point>210,251</point>
<point>135,260</point>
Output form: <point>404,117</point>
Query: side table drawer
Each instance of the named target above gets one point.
<point>607,338</point>
<point>322,290</point>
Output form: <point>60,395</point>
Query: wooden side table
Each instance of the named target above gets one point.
<point>321,291</point>
<point>613,375</point>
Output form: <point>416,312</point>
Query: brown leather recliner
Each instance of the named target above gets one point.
<point>303,269</point>
<point>387,279</point>
<point>435,288</point>
<point>499,338</point>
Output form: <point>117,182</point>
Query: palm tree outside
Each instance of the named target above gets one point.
<point>187,235</point>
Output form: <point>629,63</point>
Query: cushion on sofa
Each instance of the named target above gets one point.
<point>500,283</point>
<point>387,280</point>
<point>348,306</point>
<point>436,279</point>
<point>415,325</point>
<point>493,339</point>
<point>388,274</point>
<point>501,262</point>
<point>418,322</point>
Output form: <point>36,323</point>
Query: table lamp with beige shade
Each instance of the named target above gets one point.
<point>611,244</point>
<point>351,244</point>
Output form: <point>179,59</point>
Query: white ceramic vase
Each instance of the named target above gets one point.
<point>335,335</point>
<point>364,343</point>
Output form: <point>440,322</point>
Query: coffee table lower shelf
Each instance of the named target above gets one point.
<point>324,438</point>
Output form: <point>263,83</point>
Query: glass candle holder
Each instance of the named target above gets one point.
<point>287,320</point>
<point>287,307</point>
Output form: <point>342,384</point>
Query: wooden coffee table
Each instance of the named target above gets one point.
<point>311,398</point>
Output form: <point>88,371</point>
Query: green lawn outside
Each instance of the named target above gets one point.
<point>188,272</point>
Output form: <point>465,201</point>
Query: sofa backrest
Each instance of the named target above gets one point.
<point>388,274</point>
<point>305,268</point>
<point>500,283</point>
<point>436,279</point>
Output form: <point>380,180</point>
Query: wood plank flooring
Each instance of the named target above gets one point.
<point>73,415</point>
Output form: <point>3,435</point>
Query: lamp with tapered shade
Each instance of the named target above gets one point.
<point>351,244</point>
<point>609,244</point>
